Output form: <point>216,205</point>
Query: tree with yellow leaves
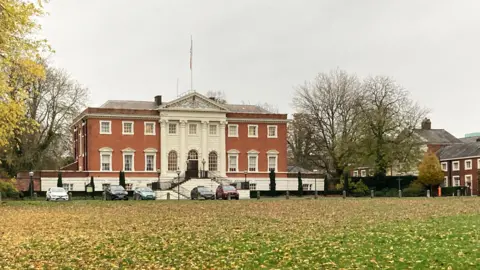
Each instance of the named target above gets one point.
<point>430,171</point>
<point>19,64</point>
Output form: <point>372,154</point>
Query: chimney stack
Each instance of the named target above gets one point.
<point>158,100</point>
<point>426,124</point>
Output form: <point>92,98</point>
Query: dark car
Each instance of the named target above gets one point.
<point>143,193</point>
<point>116,192</point>
<point>223,192</point>
<point>202,192</point>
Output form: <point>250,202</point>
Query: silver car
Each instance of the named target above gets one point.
<point>57,194</point>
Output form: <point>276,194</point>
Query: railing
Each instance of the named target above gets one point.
<point>174,183</point>
<point>182,191</point>
<point>219,179</point>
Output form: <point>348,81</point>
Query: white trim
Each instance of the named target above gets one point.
<point>176,128</point>
<point>196,129</point>
<point>276,162</point>
<point>445,181</point>
<point>272,152</point>
<point>363,173</point>
<point>236,164</point>
<point>233,151</point>
<point>123,128</point>
<point>259,120</point>
<point>110,116</point>
<point>458,166</point>
<point>228,131</point>
<point>216,129</point>
<point>109,125</point>
<point>133,161</point>
<point>457,158</point>
<point>454,181</point>
<point>465,179</point>
<point>105,149</point>
<point>465,164</point>
<point>478,164</point>
<point>145,128</point>
<point>150,150</point>
<point>446,166</point>
<point>256,131</point>
<point>109,153</point>
<point>268,131</point>
<point>154,160</point>
<point>252,153</point>
<point>355,173</point>
<point>129,150</point>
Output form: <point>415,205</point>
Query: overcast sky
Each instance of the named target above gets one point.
<point>259,51</point>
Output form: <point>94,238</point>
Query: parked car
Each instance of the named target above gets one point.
<point>223,191</point>
<point>143,193</point>
<point>202,192</point>
<point>116,192</point>
<point>57,194</point>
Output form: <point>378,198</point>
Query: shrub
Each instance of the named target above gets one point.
<point>8,189</point>
<point>415,189</point>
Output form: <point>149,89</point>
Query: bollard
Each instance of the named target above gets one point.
<point>229,197</point>
<point>168,195</point>
<point>258,194</point>
<point>288,195</point>
<point>399,193</point>
<point>458,192</point>
<point>104,196</point>
<point>372,193</point>
<point>69,196</point>
<point>428,193</point>
<point>316,194</point>
<point>35,196</point>
<point>344,194</point>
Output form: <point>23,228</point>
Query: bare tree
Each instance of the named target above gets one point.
<point>300,142</point>
<point>389,118</point>
<point>330,104</point>
<point>218,96</point>
<point>53,103</point>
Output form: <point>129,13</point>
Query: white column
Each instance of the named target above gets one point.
<point>204,146</point>
<point>163,147</point>
<point>223,152</point>
<point>182,158</point>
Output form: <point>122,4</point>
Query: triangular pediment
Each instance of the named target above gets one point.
<point>194,101</point>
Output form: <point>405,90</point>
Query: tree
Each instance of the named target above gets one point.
<point>300,142</point>
<point>19,56</point>
<point>272,183</point>
<point>330,107</point>
<point>218,96</point>
<point>389,118</point>
<point>268,107</point>
<point>53,103</point>
<point>300,184</point>
<point>429,171</point>
<point>59,180</point>
<point>122,179</point>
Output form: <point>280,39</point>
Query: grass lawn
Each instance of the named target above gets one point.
<point>437,233</point>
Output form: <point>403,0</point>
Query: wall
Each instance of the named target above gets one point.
<point>463,172</point>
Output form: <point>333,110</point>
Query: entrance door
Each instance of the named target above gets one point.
<point>192,167</point>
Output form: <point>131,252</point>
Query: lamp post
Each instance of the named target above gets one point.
<point>315,175</point>
<point>203,163</point>
<point>178,185</point>
<point>31,184</point>
<point>399,188</point>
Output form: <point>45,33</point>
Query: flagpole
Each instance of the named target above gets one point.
<point>191,63</point>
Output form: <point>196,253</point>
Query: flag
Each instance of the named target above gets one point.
<point>191,52</point>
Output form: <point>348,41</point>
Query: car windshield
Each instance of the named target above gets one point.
<point>145,189</point>
<point>58,189</point>
<point>117,188</point>
<point>204,189</point>
<point>228,188</point>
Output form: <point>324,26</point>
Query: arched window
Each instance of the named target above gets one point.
<point>172,161</point>
<point>192,154</point>
<point>212,161</point>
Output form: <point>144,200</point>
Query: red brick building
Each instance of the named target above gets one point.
<point>192,135</point>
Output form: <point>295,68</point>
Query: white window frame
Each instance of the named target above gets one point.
<point>446,166</point>
<point>232,153</point>
<point>252,153</point>
<point>154,161</point>
<point>454,181</point>
<point>256,131</point>
<point>123,127</point>
<point>355,173</point>
<point>458,166</point>
<point>196,129</point>
<point>176,129</point>
<point>128,151</point>
<point>363,173</point>
<point>471,179</point>
<point>216,130</point>
<point>106,151</point>
<point>272,153</point>
<point>471,164</point>
<point>109,127</point>
<point>252,186</point>
<point>445,181</point>
<point>236,130</point>
<point>478,164</point>
<point>67,186</point>
<point>145,128</point>
<point>268,131</point>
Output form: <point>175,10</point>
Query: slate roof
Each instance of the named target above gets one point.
<point>463,150</point>
<point>437,136</point>
<point>296,169</point>
<point>150,105</point>
<point>470,139</point>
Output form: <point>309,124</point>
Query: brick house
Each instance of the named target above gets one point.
<point>193,135</point>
